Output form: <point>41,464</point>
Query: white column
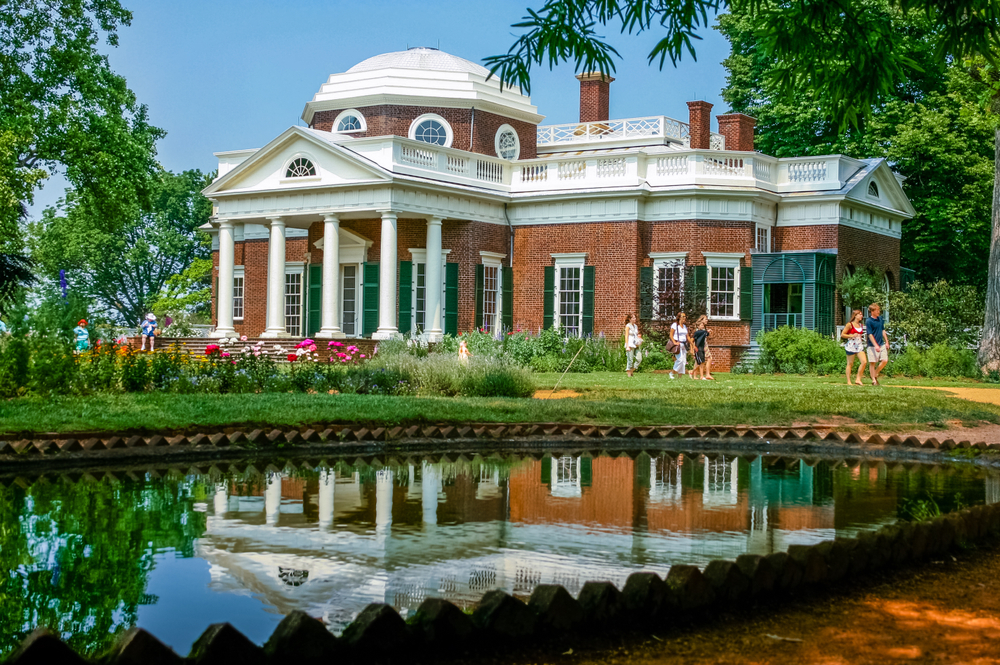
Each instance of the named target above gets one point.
<point>272,498</point>
<point>433,275</point>
<point>430,483</point>
<point>276,281</point>
<point>224,295</point>
<point>221,499</point>
<point>326,487</point>
<point>387,315</point>
<point>330,326</point>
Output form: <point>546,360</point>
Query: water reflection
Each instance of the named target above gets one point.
<point>90,557</point>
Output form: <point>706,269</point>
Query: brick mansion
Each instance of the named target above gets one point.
<point>424,198</point>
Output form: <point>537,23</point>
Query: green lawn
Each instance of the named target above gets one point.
<point>612,399</point>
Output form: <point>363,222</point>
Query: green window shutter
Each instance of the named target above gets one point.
<point>480,295</point>
<point>646,287</point>
<point>546,470</point>
<point>451,298</point>
<point>315,299</point>
<point>508,299</point>
<point>746,294</point>
<point>405,296</point>
<point>588,300</point>
<point>550,296</point>
<point>369,323</point>
<point>695,291</point>
<point>587,471</point>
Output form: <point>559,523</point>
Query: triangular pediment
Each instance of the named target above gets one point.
<point>888,192</point>
<point>267,168</point>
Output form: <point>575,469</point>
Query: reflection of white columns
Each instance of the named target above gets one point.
<point>221,500</point>
<point>224,293</point>
<point>272,498</point>
<point>432,272</point>
<point>387,315</point>
<point>276,281</point>
<point>330,316</point>
<point>326,487</point>
<point>430,483</point>
<point>992,489</point>
<point>383,507</point>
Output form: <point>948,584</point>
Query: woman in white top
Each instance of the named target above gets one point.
<point>632,342</point>
<point>679,336</point>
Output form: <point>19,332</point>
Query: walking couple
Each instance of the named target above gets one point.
<point>679,347</point>
<point>866,335</point>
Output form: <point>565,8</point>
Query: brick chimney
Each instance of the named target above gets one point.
<point>738,130</point>
<point>700,124</point>
<point>595,96</point>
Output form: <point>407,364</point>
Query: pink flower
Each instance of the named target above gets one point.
<point>243,338</point>
<point>336,343</point>
<point>362,355</point>
<point>256,354</point>
<point>311,348</point>
<point>352,349</point>
<point>342,355</point>
<point>225,355</point>
<point>343,360</point>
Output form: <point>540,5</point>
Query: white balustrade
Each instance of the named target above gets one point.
<point>611,168</point>
<point>534,173</point>
<point>576,170</point>
<point>657,126</point>
<point>724,166</point>
<point>672,166</point>
<point>811,171</point>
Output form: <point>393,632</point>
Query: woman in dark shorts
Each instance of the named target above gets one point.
<point>853,335</point>
<point>701,335</point>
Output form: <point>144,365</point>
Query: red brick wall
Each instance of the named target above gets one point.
<point>795,238</point>
<point>700,123</point>
<point>390,120</point>
<point>738,130</point>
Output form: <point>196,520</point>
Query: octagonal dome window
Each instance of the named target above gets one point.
<point>432,129</point>
<point>300,167</point>
<point>349,121</point>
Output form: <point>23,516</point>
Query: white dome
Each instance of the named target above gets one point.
<point>419,57</point>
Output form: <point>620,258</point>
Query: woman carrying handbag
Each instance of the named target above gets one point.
<point>853,335</point>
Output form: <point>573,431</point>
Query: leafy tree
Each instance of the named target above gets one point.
<point>15,273</point>
<point>75,556</point>
<point>931,128</point>
<point>61,105</point>
<point>188,292</point>
<point>936,313</point>
<point>125,269</point>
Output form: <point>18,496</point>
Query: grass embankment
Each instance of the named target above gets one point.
<point>607,399</point>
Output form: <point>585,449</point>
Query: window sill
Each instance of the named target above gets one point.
<point>293,181</point>
<point>724,318</point>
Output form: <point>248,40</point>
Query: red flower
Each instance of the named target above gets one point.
<point>211,348</point>
<point>292,357</point>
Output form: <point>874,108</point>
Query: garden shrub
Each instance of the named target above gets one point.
<point>938,313</point>
<point>53,369</point>
<point>654,360</point>
<point>134,372</point>
<point>798,351</point>
<point>939,360</point>
<point>491,378</point>
<point>15,359</point>
<point>165,368</point>
<point>440,374</point>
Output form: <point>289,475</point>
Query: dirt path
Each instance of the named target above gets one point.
<point>984,395</point>
<point>945,612</point>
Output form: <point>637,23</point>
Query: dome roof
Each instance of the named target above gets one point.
<point>419,57</point>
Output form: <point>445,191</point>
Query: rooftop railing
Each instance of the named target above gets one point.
<point>627,130</point>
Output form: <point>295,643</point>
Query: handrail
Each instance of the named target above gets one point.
<point>654,126</point>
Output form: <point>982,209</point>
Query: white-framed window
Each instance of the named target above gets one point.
<point>293,300</point>
<point>492,291</point>
<point>350,121</point>
<point>762,241</point>
<point>418,303</point>
<point>507,144</point>
<point>239,284</point>
<point>566,477</point>
<point>668,284</point>
<point>431,128</point>
<point>300,167</point>
<point>723,284</point>
<point>351,299</point>
<point>569,293</point>
<point>873,189</point>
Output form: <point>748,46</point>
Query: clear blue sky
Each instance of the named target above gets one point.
<point>225,75</point>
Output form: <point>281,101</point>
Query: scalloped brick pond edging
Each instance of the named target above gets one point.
<point>56,451</point>
<point>439,628</point>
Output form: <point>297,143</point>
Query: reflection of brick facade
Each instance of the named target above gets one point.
<point>386,120</point>
<point>607,503</point>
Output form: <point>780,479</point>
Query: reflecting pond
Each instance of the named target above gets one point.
<point>175,553</point>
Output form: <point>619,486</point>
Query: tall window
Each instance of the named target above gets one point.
<point>238,297</point>
<point>491,298</point>
<point>569,298</point>
<point>722,293</point>
<point>350,308</point>
<point>763,243</point>
<point>668,283</point>
<point>293,304</point>
<point>418,317</point>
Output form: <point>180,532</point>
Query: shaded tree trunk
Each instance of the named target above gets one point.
<point>989,346</point>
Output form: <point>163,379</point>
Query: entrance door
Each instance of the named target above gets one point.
<point>351,300</point>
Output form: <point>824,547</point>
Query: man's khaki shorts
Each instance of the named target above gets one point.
<point>881,356</point>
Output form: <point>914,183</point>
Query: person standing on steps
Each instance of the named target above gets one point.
<point>632,343</point>
<point>878,342</point>
<point>148,329</point>
<point>679,345</point>
<point>853,335</point>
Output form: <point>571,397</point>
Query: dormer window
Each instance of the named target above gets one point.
<point>873,189</point>
<point>507,145</point>
<point>350,121</point>
<point>431,128</point>
<point>300,168</point>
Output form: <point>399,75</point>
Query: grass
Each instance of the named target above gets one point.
<point>606,398</point>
